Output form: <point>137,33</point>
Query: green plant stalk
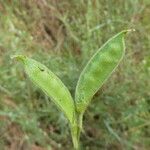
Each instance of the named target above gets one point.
<point>80,126</point>
<point>74,134</point>
<point>80,121</point>
<point>76,130</point>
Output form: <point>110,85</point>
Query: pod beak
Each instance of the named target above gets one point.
<point>20,58</point>
<point>129,30</point>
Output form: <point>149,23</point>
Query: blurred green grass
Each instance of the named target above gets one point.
<point>63,35</point>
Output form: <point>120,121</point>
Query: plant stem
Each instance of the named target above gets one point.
<point>80,128</point>
<point>74,134</point>
<point>80,119</point>
<point>76,129</point>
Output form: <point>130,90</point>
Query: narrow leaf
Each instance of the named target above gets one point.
<point>98,69</point>
<point>48,82</point>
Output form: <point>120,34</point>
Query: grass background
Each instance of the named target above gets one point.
<point>63,35</point>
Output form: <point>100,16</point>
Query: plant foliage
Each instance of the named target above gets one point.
<point>96,72</point>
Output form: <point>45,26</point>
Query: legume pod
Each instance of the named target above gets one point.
<point>50,84</point>
<point>98,69</point>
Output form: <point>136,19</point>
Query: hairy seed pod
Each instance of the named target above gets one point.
<point>50,84</point>
<point>98,69</point>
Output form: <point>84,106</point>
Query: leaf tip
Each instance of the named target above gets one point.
<point>128,30</point>
<point>21,58</point>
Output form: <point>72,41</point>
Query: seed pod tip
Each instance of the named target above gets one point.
<point>19,58</point>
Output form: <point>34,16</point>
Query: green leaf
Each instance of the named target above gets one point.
<point>48,82</point>
<point>98,69</point>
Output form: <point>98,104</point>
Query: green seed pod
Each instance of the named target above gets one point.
<point>50,84</point>
<point>98,69</point>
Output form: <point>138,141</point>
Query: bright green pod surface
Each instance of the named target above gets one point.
<point>50,84</point>
<point>98,69</point>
